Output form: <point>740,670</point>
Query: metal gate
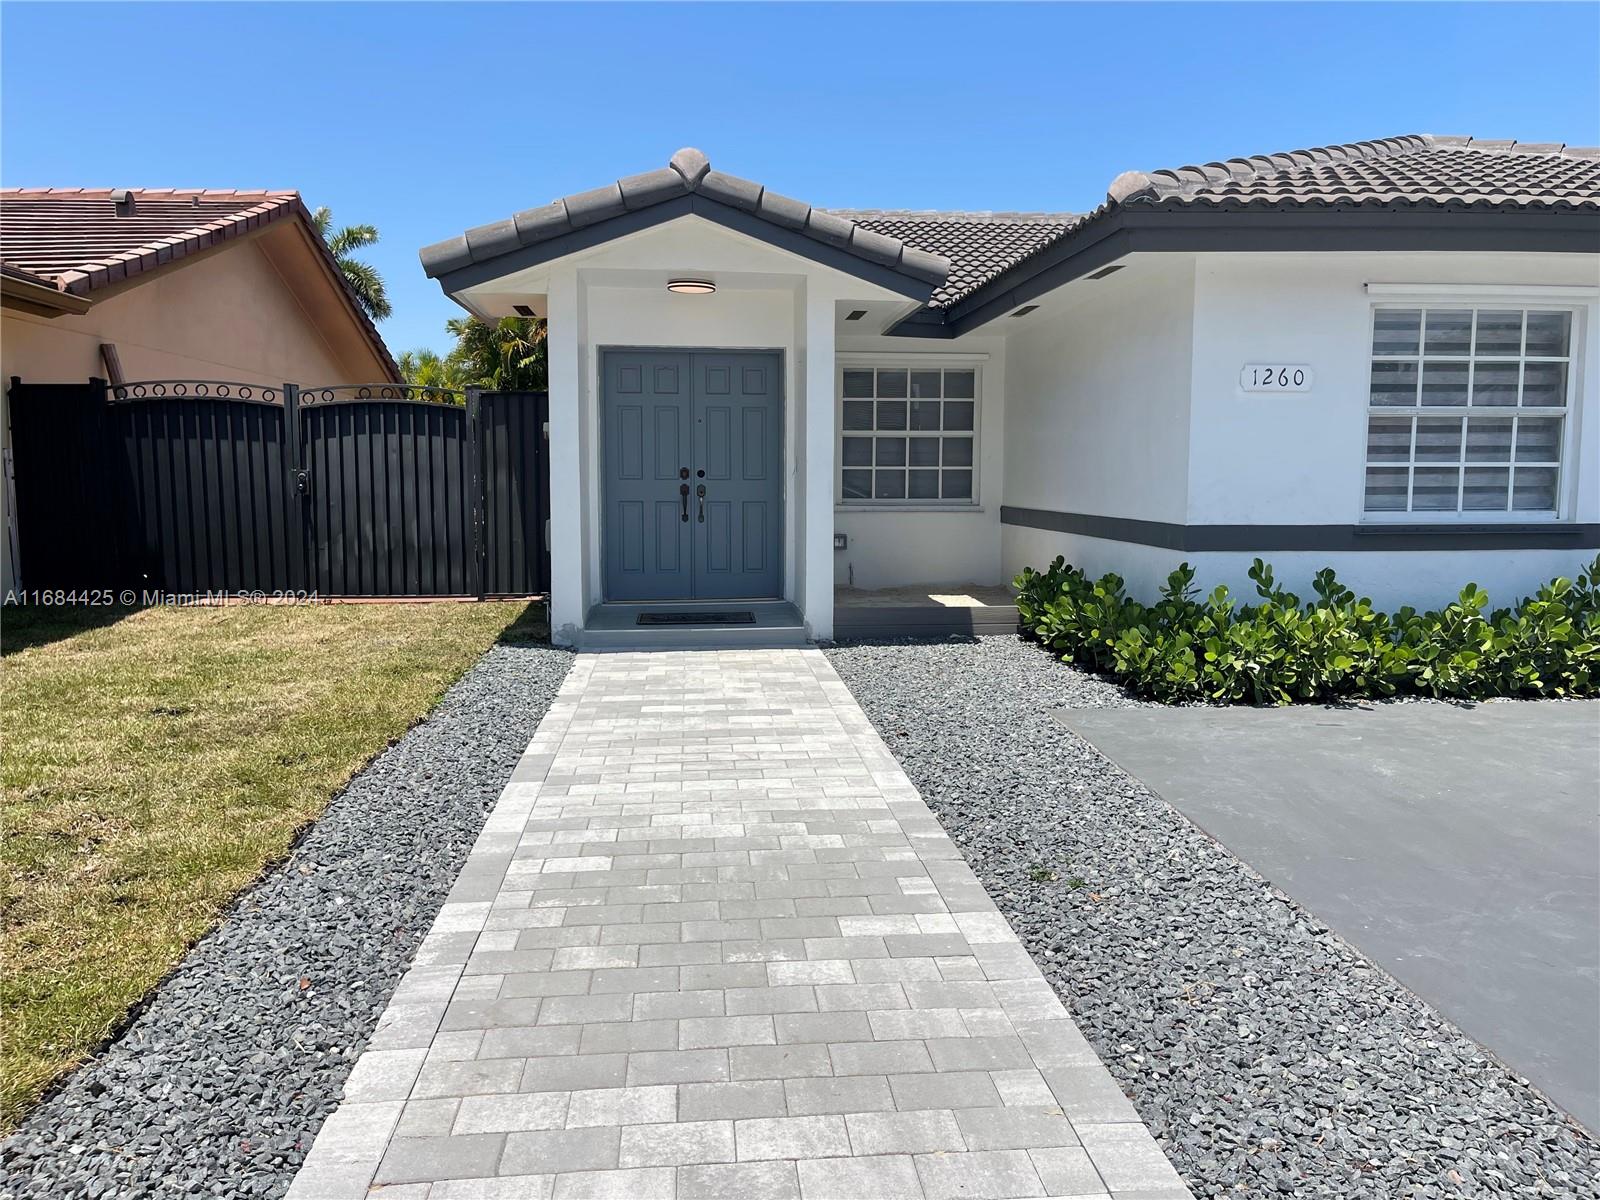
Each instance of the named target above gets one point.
<point>194,486</point>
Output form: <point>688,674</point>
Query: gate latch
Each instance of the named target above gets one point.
<point>302,482</point>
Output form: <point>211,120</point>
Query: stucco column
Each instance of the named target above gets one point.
<point>566,481</point>
<point>817,547</point>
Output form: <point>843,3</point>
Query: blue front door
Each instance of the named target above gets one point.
<point>692,445</point>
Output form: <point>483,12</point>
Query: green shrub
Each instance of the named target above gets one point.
<point>1283,650</point>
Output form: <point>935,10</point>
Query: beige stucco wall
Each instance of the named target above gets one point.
<point>231,315</point>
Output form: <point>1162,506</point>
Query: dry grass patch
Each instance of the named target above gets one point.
<point>154,764</point>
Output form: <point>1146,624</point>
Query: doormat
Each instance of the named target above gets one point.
<point>698,618</point>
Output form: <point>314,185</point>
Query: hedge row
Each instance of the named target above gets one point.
<point>1281,650</point>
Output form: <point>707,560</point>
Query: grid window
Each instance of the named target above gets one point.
<point>908,434</point>
<point>1467,409</point>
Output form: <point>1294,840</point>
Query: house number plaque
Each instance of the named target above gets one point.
<point>1275,377</point>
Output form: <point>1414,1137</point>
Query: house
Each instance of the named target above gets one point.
<point>139,284</point>
<point>1379,357</point>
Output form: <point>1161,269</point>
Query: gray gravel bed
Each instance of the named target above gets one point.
<point>1266,1054</point>
<point>220,1085</point>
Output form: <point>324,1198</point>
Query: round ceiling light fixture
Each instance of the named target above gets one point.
<point>691,287</point>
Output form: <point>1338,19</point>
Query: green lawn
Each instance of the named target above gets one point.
<point>153,762</point>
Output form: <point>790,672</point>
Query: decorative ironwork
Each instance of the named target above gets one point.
<point>195,389</point>
<point>347,393</point>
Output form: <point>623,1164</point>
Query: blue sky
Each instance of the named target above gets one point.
<point>425,119</point>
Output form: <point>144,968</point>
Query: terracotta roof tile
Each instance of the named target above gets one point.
<point>71,235</point>
<point>81,239</point>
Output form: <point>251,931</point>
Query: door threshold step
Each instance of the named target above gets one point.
<point>695,637</point>
<point>746,617</point>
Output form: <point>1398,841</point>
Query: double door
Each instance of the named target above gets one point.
<point>693,484</point>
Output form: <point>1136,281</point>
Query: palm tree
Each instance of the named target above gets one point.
<point>424,368</point>
<point>507,356</point>
<point>362,277</point>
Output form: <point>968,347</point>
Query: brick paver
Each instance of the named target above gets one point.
<point>712,943</point>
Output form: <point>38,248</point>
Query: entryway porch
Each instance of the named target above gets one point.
<point>858,613</point>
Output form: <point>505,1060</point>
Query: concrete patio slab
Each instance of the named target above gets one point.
<point>1458,846</point>
<point>711,942</point>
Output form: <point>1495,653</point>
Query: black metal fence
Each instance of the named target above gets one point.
<point>192,486</point>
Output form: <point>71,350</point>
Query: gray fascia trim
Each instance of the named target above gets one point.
<point>1260,539</point>
<point>694,204</point>
<point>1150,229</point>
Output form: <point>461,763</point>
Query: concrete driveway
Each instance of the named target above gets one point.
<point>1456,846</point>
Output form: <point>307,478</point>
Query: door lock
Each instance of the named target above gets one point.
<point>701,493</point>
<point>683,472</point>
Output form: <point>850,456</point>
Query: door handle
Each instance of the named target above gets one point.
<point>701,493</point>
<point>683,498</point>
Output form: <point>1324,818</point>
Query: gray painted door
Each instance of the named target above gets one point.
<point>648,441</point>
<point>693,475</point>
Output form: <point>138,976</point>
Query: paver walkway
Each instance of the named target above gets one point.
<point>712,943</point>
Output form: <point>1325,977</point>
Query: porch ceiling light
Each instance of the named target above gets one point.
<point>691,287</point>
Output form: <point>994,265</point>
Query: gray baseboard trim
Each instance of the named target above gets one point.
<point>1262,539</point>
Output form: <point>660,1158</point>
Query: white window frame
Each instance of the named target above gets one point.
<point>863,360</point>
<point>1451,296</point>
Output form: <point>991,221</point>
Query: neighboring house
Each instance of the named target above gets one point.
<point>179,284</point>
<point>1379,357</point>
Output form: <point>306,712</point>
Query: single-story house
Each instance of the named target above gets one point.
<point>132,284</point>
<point>1379,357</point>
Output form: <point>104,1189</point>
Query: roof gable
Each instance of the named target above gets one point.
<point>82,240</point>
<point>688,184</point>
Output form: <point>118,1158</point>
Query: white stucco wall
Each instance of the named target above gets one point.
<point>1097,396</point>
<point>1101,425</point>
<point>1291,459</point>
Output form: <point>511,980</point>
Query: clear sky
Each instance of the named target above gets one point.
<point>425,119</point>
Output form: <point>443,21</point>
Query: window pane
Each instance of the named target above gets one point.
<point>1485,489</point>
<point>857,485</point>
<point>958,415</point>
<point>1489,441</point>
<point>924,452</point>
<point>1395,331</point>
<point>892,384</point>
<point>858,414</point>
<point>1447,331</point>
<point>1534,489</point>
<point>960,385</point>
<point>1544,384</point>
<point>857,452</point>
<point>1494,384</point>
<point>958,452</point>
<point>1394,383</point>
<point>924,414</point>
<point>889,485</point>
<point>924,485</point>
<point>1499,333</point>
<point>1438,441</point>
<point>1549,334</point>
<point>957,485</point>
<point>1386,489</point>
<point>891,414</point>
<point>925,384</point>
<point>1538,440</point>
<point>858,383</point>
<point>1434,489</point>
<point>1444,383</point>
<point>1389,439</point>
<point>891,452</point>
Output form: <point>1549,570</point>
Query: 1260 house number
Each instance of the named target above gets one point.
<point>1274,377</point>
